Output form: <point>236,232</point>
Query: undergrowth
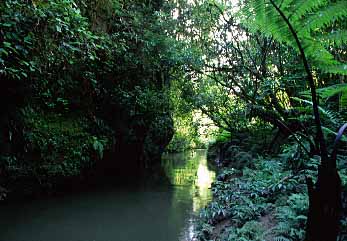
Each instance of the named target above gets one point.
<point>266,202</point>
<point>57,148</point>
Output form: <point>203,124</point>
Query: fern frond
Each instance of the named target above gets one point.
<point>260,15</point>
<point>331,132</point>
<point>327,92</point>
<point>285,4</point>
<point>306,17</point>
<point>336,37</point>
<point>318,54</point>
<point>327,113</point>
<point>343,100</point>
<point>328,131</point>
<point>327,16</point>
<point>303,7</point>
<point>335,69</point>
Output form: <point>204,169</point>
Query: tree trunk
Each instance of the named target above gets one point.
<point>325,206</point>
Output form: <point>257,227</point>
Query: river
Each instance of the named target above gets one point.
<point>126,212</point>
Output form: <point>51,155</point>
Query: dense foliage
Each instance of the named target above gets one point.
<point>85,88</point>
<point>265,199</point>
<point>100,87</point>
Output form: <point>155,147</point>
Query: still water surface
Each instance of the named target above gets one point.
<point>122,213</point>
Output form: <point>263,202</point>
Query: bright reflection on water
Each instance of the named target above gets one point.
<point>123,212</point>
<point>191,178</point>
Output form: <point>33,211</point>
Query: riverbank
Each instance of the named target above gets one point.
<point>266,201</point>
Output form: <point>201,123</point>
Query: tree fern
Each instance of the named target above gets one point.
<point>326,16</point>
<point>327,92</point>
<point>263,17</point>
<point>330,91</point>
<point>330,115</point>
<point>308,18</point>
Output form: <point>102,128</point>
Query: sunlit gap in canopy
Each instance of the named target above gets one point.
<point>218,33</point>
<point>232,5</point>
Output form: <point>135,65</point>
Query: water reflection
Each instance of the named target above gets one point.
<point>118,212</point>
<point>189,172</point>
<point>203,182</point>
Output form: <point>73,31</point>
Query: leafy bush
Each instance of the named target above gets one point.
<point>56,147</point>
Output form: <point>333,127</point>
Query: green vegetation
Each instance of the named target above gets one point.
<point>267,200</point>
<point>100,87</point>
<point>83,83</point>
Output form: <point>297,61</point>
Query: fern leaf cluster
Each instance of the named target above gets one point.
<point>309,19</point>
<point>336,37</point>
<point>327,92</point>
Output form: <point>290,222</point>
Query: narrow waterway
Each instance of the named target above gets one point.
<point>124,212</point>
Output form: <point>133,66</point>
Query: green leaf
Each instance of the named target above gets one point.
<point>3,51</point>
<point>98,147</point>
<point>6,24</point>
<point>58,28</point>
<point>7,44</point>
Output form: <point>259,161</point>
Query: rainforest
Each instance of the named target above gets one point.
<point>173,120</point>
